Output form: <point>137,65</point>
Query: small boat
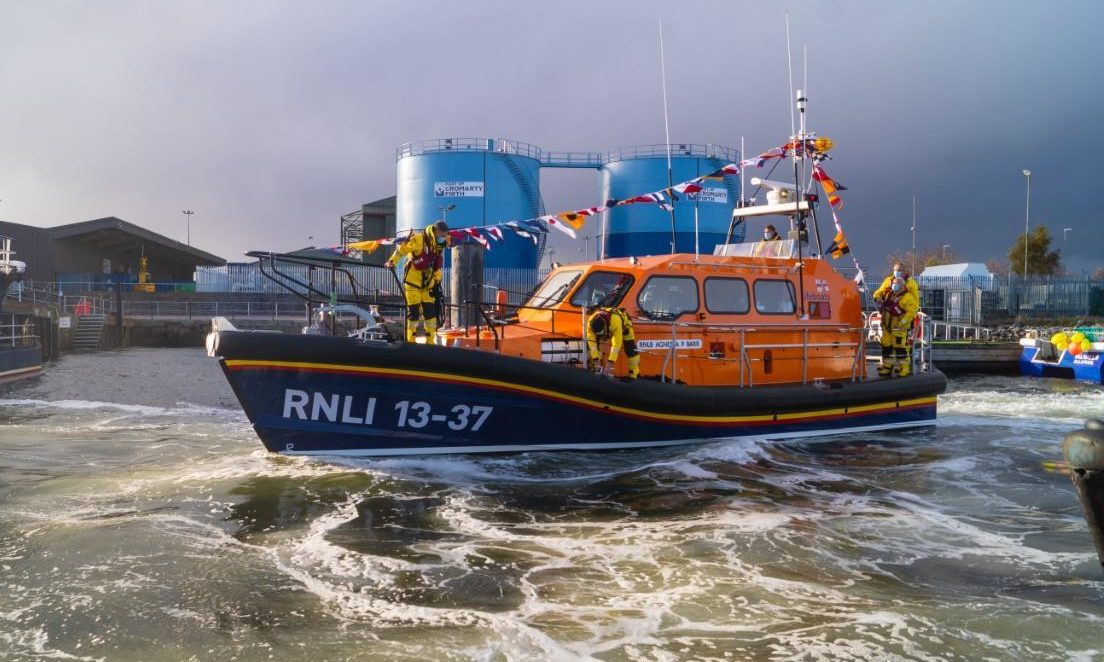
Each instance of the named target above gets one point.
<point>1077,354</point>
<point>20,351</point>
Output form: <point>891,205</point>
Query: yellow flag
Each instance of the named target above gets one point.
<point>364,246</point>
<point>571,218</point>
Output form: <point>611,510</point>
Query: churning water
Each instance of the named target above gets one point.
<point>140,519</point>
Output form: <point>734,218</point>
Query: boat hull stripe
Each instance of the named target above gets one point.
<point>239,365</point>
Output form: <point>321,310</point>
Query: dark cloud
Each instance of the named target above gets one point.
<point>271,119</point>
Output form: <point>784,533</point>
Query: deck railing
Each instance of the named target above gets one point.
<point>17,330</point>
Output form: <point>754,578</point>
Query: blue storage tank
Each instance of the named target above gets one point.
<point>488,181</point>
<point>645,229</point>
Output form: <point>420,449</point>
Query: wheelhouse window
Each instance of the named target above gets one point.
<point>602,288</point>
<point>727,295</point>
<point>555,289</point>
<point>774,297</point>
<point>667,297</point>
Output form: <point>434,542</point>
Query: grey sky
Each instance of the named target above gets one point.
<point>270,119</point>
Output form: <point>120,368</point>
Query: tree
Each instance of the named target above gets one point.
<point>1041,261</point>
<point>997,266</point>
<point>928,257</point>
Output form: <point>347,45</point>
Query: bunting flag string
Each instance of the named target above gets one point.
<point>568,222</point>
<point>829,185</point>
<point>571,222</point>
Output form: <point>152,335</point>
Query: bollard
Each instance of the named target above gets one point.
<point>1084,452</point>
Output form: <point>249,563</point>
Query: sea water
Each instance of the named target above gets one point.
<point>141,519</point>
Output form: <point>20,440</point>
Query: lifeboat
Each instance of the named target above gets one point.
<point>752,341</point>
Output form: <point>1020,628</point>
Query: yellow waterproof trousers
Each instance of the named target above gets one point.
<point>421,305</point>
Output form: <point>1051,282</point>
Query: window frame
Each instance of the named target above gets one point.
<point>570,298</point>
<point>705,295</point>
<point>549,304</point>
<point>789,285</point>
<point>697,296</point>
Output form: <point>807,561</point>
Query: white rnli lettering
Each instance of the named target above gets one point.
<point>297,400</point>
<point>332,407</point>
<point>325,405</point>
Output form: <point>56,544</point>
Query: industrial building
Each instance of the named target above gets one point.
<point>472,182</point>
<point>94,254</point>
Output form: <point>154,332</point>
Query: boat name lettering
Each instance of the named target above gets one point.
<point>680,343</point>
<point>332,407</point>
<point>1086,359</point>
<point>459,417</point>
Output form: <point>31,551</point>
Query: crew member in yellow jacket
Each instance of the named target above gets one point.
<point>898,272</point>
<point>898,306</point>
<point>422,277</point>
<point>611,324</point>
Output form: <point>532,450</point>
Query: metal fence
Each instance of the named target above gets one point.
<point>972,300</point>
<point>248,278</point>
<point>17,331</point>
<point>368,280</point>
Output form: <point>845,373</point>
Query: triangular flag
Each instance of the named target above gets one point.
<point>516,227</point>
<point>839,246</point>
<point>364,246</point>
<point>474,234</point>
<point>559,225</point>
<point>574,219</point>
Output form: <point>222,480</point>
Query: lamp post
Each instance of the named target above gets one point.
<point>445,209</point>
<point>188,215</point>
<point>945,247</point>
<point>913,228</point>
<point>1065,231</point>
<point>1027,217</point>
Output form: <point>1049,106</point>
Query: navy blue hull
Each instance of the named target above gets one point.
<point>1086,367</point>
<point>20,362</point>
<point>326,396</point>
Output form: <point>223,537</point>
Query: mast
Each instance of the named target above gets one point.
<point>667,130</point>
<point>799,216</point>
<point>797,220</point>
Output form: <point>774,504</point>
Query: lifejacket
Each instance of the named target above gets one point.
<point>421,266</point>
<point>890,305</point>
<point>427,259</point>
<point>605,314</point>
<point>430,257</point>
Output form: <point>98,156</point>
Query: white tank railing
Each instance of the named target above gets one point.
<point>500,145</point>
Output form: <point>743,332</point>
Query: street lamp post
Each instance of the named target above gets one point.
<point>1065,231</point>
<point>188,215</point>
<point>913,228</point>
<point>1027,217</point>
<point>445,209</point>
<point>945,247</point>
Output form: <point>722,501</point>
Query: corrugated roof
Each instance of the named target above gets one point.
<point>112,224</point>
